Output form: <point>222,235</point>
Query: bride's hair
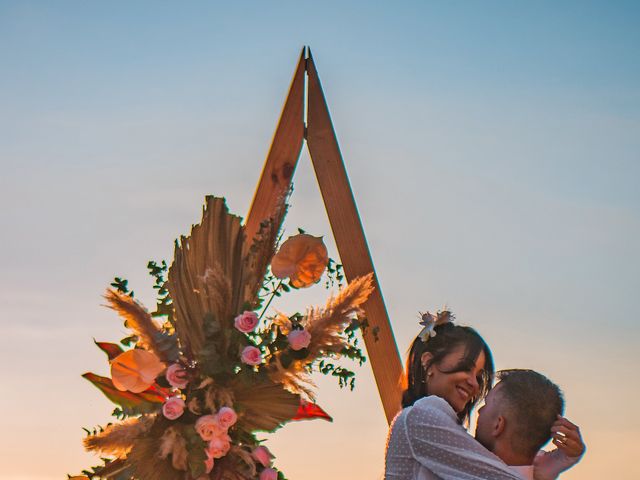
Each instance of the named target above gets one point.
<point>447,338</point>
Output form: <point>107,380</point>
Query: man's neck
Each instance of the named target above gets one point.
<point>508,456</point>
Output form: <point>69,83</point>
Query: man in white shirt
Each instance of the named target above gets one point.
<point>428,442</point>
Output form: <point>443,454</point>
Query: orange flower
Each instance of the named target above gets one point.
<point>135,370</point>
<point>302,258</point>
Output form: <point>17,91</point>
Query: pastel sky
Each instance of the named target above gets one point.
<point>493,149</point>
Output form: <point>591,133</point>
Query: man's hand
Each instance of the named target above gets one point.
<point>566,436</point>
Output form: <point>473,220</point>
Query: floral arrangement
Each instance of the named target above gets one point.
<point>198,379</point>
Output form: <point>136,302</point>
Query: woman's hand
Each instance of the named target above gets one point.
<point>566,436</point>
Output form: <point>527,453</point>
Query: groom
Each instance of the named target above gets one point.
<point>521,414</point>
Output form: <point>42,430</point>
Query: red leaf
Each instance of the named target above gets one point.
<point>308,410</point>
<point>111,349</point>
<point>147,401</point>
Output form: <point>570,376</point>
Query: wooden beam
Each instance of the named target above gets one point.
<point>350,240</point>
<point>283,156</point>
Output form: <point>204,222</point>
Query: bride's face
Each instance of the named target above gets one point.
<point>454,378</point>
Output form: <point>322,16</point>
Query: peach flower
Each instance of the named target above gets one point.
<point>263,455</point>
<point>302,258</point>
<point>246,322</point>
<point>173,408</point>
<point>269,474</point>
<point>207,427</point>
<point>299,339</point>
<point>208,465</point>
<point>226,417</point>
<point>135,370</point>
<point>251,355</point>
<point>176,375</point>
<point>219,446</point>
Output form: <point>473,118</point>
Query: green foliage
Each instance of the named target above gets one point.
<point>346,378</point>
<point>196,451</point>
<point>121,285</point>
<point>335,274</point>
<point>211,360</point>
<point>164,304</point>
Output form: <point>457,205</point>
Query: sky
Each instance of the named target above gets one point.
<point>493,149</point>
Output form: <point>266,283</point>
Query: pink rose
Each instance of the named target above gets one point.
<point>226,417</point>
<point>219,446</point>
<point>173,408</point>
<point>251,356</point>
<point>177,376</point>
<point>208,464</point>
<point>207,427</point>
<point>269,474</point>
<point>263,455</point>
<point>246,322</point>
<point>299,339</point>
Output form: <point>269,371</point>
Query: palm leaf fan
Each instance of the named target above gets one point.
<point>265,406</point>
<point>206,275</point>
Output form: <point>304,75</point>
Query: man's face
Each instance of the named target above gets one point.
<point>487,417</point>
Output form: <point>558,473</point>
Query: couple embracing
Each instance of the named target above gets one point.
<point>449,371</point>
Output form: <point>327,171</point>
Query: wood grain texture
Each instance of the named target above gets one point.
<point>283,156</point>
<point>351,242</point>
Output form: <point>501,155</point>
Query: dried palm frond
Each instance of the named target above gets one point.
<point>217,397</point>
<point>265,406</point>
<point>117,439</point>
<point>148,465</point>
<point>138,319</point>
<point>244,457</point>
<point>227,468</point>
<point>260,250</point>
<point>174,444</point>
<point>206,275</point>
<point>326,327</point>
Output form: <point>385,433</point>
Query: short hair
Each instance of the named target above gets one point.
<point>533,405</point>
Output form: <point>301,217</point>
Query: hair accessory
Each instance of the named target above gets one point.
<point>429,322</point>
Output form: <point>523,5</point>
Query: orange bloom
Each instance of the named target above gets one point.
<point>302,258</point>
<point>135,370</point>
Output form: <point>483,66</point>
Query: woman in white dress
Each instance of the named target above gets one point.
<point>449,371</point>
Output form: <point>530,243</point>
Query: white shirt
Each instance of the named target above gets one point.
<point>426,442</point>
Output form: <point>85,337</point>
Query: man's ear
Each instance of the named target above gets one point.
<point>499,426</point>
<point>426,358</point>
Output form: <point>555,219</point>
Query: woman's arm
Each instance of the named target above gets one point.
<point>566,436</point>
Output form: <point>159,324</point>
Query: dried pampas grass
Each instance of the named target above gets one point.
<point>260,250</point>
<point>326,327</point>
<point>117,439</point>
<point>138,319</point>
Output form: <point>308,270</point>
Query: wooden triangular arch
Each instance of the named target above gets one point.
<point>275,181</point>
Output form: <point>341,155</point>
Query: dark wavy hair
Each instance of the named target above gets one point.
<point>448,337</point>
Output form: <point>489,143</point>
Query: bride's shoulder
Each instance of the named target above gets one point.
<point>433,407</point>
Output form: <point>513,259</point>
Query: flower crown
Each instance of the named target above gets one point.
<point>429,322</point>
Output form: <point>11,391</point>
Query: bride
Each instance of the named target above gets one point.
<point>449,371</point>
